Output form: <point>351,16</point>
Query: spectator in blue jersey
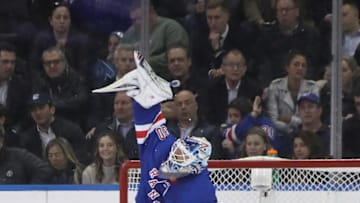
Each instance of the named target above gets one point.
<point>163,158</point>
<point>236,133</point>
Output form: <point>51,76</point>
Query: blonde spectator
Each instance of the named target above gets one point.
<point>256,143</point>
<point>62,159</point>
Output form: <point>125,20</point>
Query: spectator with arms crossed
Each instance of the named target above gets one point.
<point>163,158</point>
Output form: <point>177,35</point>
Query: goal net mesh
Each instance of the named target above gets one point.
<point>263,179</point>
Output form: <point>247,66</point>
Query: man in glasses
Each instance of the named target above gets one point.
<point>288,33</point>
<point>231,85</point>
<point>66,87</point>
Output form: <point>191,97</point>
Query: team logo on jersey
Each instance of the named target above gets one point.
<point>269,131</point>
<point>153,182</point>
<point>153,194</point>
<point>162,132</point>
<point>153,173</point>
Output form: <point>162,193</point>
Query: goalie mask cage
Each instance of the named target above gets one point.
<point>264,179</point>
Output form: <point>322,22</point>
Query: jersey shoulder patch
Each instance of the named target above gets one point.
<point>162,132</point>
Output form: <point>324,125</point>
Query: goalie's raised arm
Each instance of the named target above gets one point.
<point>162,157</point>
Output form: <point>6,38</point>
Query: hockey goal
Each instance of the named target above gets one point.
<point>265,179</point>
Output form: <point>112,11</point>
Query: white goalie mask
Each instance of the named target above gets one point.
<point>187,156</point>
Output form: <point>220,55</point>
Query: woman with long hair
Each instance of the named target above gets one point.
<point>350,80</point>
<point>306,145</point>
<point>256,143</point>
<point>108,158</point>
<point>282,99</point>
<point>61,157</point>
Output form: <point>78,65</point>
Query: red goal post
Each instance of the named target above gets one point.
<point>321,180</point>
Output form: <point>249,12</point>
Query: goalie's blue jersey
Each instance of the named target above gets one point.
<point>155,143</point>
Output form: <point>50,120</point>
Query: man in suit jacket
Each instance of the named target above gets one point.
<point>13,89</point>
<point>230,86</point>
<point>221,35</point>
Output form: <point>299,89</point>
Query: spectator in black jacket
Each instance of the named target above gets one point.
<point>288,33</point>
<point>233,84</point>
<point>67,89</point>
<point>18,166</point>
<point>351,130</point>
<point>47,126</point>
<point>74,44</point>
<point>209,45</point>
<point>188,123</point>
<point>13,89</point>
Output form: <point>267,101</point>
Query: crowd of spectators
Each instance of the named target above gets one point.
<point>248,75</point>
